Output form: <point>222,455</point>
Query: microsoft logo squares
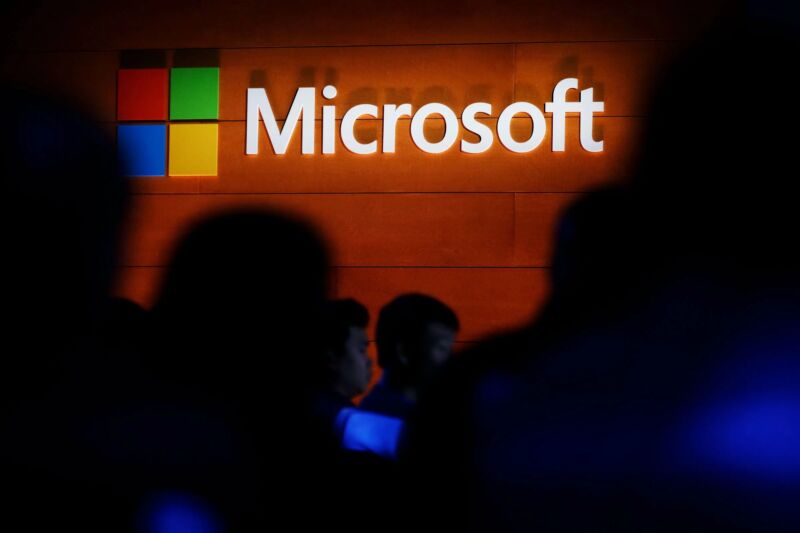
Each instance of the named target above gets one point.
<point>164,116</point>
<point>194,94</point>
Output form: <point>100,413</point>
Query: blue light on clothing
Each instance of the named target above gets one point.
<point>369,432</point>
<point>142,149</point>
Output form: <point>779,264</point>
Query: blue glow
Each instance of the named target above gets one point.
<point>757,435</point>
<point>179,513</point>
<point>370,432</point>
<point>747,425</point>
<point>143,149</point>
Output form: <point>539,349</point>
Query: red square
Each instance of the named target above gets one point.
<point>142,94</point>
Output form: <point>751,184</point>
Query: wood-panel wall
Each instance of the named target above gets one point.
<point>475,230</point>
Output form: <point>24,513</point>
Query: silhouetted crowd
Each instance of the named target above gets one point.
<point>658,389</point>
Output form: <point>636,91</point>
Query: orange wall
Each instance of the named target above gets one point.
<point>475,230</point>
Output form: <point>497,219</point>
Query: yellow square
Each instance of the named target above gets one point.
<point>193,149</point>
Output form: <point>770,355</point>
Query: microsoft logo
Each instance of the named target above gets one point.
<point>169,110</point>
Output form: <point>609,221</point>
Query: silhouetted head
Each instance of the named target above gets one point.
<point>346,367</point>
<point>415,335</point>
<point>712,192</point>
<point>716,171</point>
<point>63,206</point>
<point>242,292</point>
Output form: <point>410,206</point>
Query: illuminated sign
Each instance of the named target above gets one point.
<point>168,122</point>
<point>188,98</point>
<point>304,105</point>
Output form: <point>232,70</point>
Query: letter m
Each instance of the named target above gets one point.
<point>258,108</point>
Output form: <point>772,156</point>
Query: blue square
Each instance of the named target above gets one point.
<point>143,149</point>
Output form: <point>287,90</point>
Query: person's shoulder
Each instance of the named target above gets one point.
<point>383,400</point>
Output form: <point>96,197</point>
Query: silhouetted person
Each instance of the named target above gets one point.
<point>415,335</point>
<point>62,212</point>
<point>345,370</point>
<point>243,291</point>
<point>344,367</point>
<point>658,388</point>
<point>63,203</point>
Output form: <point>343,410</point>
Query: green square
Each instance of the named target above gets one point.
<point>194,93</point>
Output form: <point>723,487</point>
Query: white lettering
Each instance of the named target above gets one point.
<point>481,130</point>
<point>304,106</point>
<point>258,107</point>
<point>390,115</point>
<point>329,121</point>
<point>349,121</point>
<point>504,127</point>
<point>450,128</point>
<point>559,107</point>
